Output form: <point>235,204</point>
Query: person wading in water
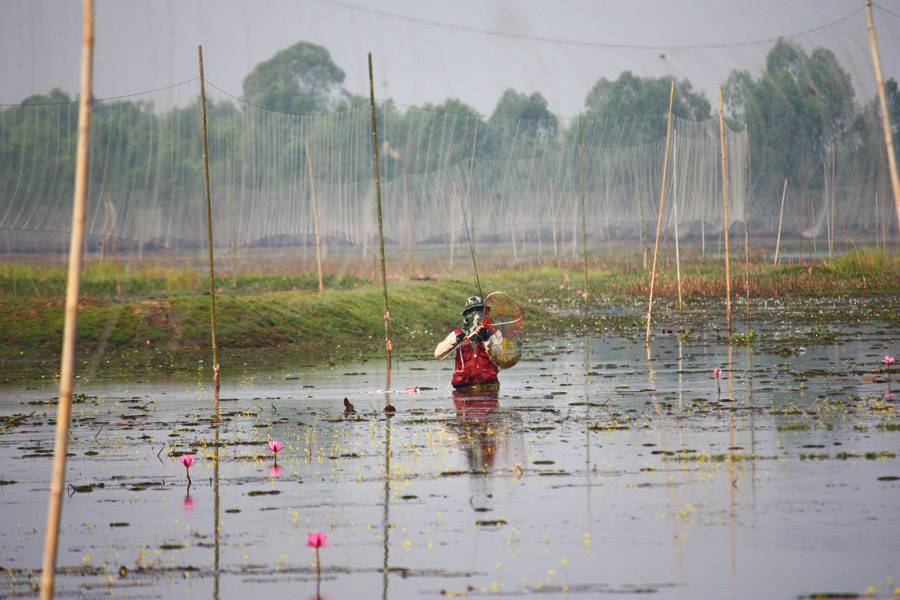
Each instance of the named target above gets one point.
<point>474,369</point>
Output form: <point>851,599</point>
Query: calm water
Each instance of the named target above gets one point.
<point>595,471</point>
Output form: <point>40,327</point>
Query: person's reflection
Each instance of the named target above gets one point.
<point>475,415</point>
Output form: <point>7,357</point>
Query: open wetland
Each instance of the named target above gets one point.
<point>697,468</point>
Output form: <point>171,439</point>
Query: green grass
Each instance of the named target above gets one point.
<point>166,309</point>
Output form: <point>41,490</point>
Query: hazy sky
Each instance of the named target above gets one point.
<point>428,51</point>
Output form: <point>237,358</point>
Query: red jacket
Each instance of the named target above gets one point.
<point>473,365</point>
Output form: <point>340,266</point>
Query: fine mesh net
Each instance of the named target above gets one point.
<point>514,183</point>
<point>504,347</point>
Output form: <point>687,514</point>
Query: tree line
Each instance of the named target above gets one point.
<point>800,113</point>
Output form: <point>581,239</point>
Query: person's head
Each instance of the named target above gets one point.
<point>474,303</point>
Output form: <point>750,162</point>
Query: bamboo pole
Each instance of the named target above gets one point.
<point>73,287</point>
<point>725,205</point>
<point>212,277</point>
<point>827,204</point>
<point>800,222</point>
<point>888,137</point>
<point>833,203</point>
<point>312,190</point>
<point>675,211</point>
<point>747,223</point>
<point>412,266</point>
<point>662,197</point>
<point>387,314</point>
<point>553,224</point>
<point>583,214</point>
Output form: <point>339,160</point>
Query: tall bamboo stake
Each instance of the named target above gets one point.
<point>73,287</point>
<point>725,205</point>
<point>747,223</point>
<point>387,314</point>
<point>662,197</point>
<point>833,153</point>
<point>800,222</point>
<point>888,137</point>
<point>675,211</point>
<point>827,204</point>
<point>212,276</point>
<point>312,190</point>
<point>412,266</point>
<point>583,215</point>
<point>553,224</point>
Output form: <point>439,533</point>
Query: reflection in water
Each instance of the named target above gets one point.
<point>187,504</point>
<point>386,523</point>
<point>275,470</point>
<point>476,408</point>
<point>217,524</point>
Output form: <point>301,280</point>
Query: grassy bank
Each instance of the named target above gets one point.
<point>164,317</point>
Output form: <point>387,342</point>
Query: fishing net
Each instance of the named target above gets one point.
<point>506,315</point>
<point>804,157</point>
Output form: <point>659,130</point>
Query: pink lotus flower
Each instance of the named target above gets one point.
<point>317,540</point>
<point>187,460</point>
<point>717,371</point>
<point>275,447</point>
<point>887,361</point>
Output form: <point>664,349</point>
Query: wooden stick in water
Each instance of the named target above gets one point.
<point>212,276</point>
<point>70,327</point>
<point>662,197</point>
<point>387,314</point>
<point>725,205</point>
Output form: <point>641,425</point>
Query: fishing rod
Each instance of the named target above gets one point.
<point>463,208</point>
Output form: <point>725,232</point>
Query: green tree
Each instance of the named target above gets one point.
<point>518,112</point>
<point>632,96</point>
<point>301,79</point>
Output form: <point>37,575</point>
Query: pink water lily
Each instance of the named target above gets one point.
<point>888,361</point>
<point>717,372</point>
<point>275,447</point>
<point>188,460</point>
<point>317,540</point>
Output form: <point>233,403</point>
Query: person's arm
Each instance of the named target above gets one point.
<point>448,343</point>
